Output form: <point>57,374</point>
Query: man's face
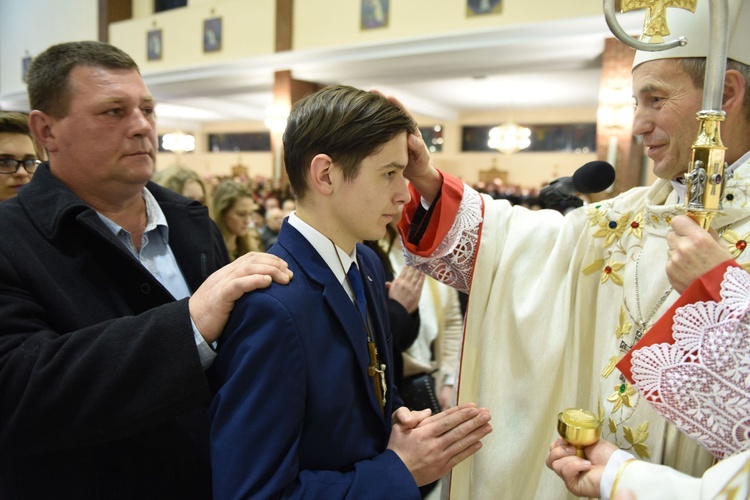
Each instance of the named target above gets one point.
<point>15,147</point>
<point>270,203</point>
<point>275,219</point>
<point>257,218</point>
<point>666,105</point>
<point>288,206</point>
<point>367,203</point>
<point>108,138</point>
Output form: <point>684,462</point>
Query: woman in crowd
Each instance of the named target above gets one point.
<point>183,181</point>
<point>232,209</point>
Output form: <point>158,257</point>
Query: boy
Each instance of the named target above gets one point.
<point>305,405</point>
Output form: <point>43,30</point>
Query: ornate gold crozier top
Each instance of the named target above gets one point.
<point>655,25</point>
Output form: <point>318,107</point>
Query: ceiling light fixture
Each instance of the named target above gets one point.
<point>276,118</point>
<point>615,106</point>
<point>509,138</point>
<point>178,142</point>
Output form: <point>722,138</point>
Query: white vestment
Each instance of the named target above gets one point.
<point>729,479</point>
<point>553,305</point>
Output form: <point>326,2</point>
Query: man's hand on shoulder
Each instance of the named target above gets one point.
<point>211,304</point>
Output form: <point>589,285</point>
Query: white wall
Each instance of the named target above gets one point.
<point>28,27</point>
<point>316,24</point>
<point>248,29</point>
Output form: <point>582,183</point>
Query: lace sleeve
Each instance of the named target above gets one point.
<point>453,260</point>
<point>701,383</point>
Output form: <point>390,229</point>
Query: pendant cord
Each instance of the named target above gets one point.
<point>644,323</point>
<point>362,316</point>
<point>376,369</point>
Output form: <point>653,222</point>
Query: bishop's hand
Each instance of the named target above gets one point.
<point>582,477</point>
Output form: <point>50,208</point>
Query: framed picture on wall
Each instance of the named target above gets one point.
<point>162,5</point>
<point>153,45</point>
<point>212,34</point>
<point>481,7</point>
<point>374,14</point>
<point>25,65</point>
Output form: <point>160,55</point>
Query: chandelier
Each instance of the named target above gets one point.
<point>509,138</point>
<point>178,142</point>
<point>615,106</point>
<point>276,117</point>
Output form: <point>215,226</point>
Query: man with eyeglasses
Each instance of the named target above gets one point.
<point>18,159</point>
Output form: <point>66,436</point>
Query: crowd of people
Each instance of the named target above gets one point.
<point>249,212</point>
<point>516,194</point>
<point>167,336</point>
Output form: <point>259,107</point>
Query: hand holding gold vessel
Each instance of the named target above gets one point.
<point>580,428</point>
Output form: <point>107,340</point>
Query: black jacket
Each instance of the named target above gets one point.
<point>102,394</point>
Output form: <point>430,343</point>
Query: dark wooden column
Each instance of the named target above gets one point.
<point>111,11</point>
<point>615,118</point>
<point>284,24</point>
<point>286,90</point>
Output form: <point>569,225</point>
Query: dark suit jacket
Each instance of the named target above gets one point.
<point>296,414</point>
<point>102,394</point>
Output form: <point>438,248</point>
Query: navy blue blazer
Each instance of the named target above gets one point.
<point>295,414</point>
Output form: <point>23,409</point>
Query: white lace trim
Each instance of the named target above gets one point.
<point>453,260</point>
<point>701,383</point>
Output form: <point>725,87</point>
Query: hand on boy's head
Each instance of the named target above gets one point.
<point>419,155</point>
<point>394,100</point>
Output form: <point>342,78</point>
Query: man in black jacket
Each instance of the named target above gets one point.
<point>111,292</point>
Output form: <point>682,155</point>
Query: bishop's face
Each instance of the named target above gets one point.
<point>665,115</point>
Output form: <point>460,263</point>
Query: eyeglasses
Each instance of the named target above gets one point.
<point>11,166</point>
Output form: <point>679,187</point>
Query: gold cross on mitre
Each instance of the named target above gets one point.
<point>655,25</point>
